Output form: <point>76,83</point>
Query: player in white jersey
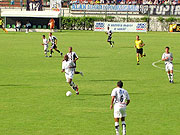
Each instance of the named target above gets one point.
<point>167,57</point>
<point>109,33</point>
<point>68,67</point>
<point>73,56</point>
<point>45,44</point>
<point>53,41</point>
<point>120,99</point>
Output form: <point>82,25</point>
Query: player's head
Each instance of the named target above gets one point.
<point>108,27</point>
<point>43,36</point>
<point>137,37</point>
<point>66,57</point>
<point>70,49</point>
<point>50,34</point>
<point>167,49</point>
<point>120,84</point>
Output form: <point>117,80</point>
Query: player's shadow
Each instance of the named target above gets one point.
<point>108,80</point>
<point>127,47</point>
<point>96,95</point>
<point>12,85</point>
<point>88,57</point>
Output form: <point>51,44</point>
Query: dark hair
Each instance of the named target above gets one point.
<point>120,84</point>
<point>167,47</point>
<point>43,35</point>
<point>50,32</point>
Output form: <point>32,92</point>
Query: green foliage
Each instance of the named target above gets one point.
<point>79,23</point>
<point>145,18</point>
<point>160,19</point>
<point>171,19</point>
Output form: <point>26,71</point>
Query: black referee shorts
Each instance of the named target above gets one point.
<point>140,51</point>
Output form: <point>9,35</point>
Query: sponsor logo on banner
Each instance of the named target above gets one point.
<point>141,26</point>
<point>121,8</point>
<point>99,26</point>
<point>174,27</point>
<point>160,9</point>
<point>121,27</point>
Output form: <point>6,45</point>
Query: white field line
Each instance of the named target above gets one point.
<point>154,65</point>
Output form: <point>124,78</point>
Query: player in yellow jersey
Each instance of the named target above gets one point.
<point>139,48</point>
<point>1,25</point>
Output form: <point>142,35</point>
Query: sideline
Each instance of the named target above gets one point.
<point>154,65</point>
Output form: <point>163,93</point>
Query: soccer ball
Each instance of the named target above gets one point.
<point>68,93</point>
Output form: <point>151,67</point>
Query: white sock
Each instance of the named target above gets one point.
<point>171,76</point>
<point>117,127</point>
<point>124,127</point>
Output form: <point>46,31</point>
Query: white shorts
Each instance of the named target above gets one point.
<point>69,76</point>
<point>169,67</point>
<point>119,111</point>
<point>46,48</point>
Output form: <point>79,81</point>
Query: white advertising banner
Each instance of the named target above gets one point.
<point>121,26</point>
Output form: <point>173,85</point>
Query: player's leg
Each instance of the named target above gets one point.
<point>109,40</point>
<point>168,72</point>
<point>142,54</point>
<point>137,56</point>
<point>71,83</point>
<point>51,51</point>
<point>116,125</point>
<point>171,72</point>
<point>58,51</point>
<point>123,115</point>
<point>123,125</point>
<point>116,117</point>
<point>45,52</point>
<point>76,72</point>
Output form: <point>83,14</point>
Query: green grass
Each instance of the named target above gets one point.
<point>32,88</point>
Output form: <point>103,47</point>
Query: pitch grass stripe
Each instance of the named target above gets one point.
<point>154,65</point>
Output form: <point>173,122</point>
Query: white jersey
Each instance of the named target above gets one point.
<point>109,32</point>
<point>121,96</point>
<point>66,66</point>
<point>169,56</point>
<point>72,55</point>
<point>52,39</point>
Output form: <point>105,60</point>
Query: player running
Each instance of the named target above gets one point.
<point>53,41</point>
<point>120,99</point>
<point>167,57</point>
<point>45,44</point>
<point>109,32</point>
<point>139,48</point>
<point>68,67</point>
<point>1,25</point>
<point>73,56</point>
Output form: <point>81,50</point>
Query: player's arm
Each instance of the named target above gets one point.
<point>163,58</point>
<point>112,101</point>
<point>72,65</point>
<point>127,103</point>
<point>76,57</point>
<point>142,45</point>
<point>56,41</point>
<point>62,70</point>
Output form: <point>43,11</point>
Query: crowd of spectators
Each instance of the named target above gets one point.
<point>129,2</point>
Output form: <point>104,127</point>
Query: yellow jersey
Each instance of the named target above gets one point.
<point>138,43</point>
<point>1,22</point>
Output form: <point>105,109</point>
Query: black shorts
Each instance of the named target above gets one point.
<point>109,38</point>
<point>1,26</point>
<point>139,51</point>
<point>53,46</point>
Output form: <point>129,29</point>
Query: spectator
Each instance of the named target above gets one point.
<point>18,25</point>
<point>97,2</point>
<point>134,2</point>
<point>150,2</point>
<point>51,24</point>
<point>28,26</point>
<point>145,2</point>
<point>102,1</point>
<point>175,2</point>
<point>156,2</point>
<point>12,2</point>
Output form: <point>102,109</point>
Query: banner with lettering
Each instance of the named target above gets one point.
<point>121,27</point>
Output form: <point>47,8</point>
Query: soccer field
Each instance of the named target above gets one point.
<point>32,87</point>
